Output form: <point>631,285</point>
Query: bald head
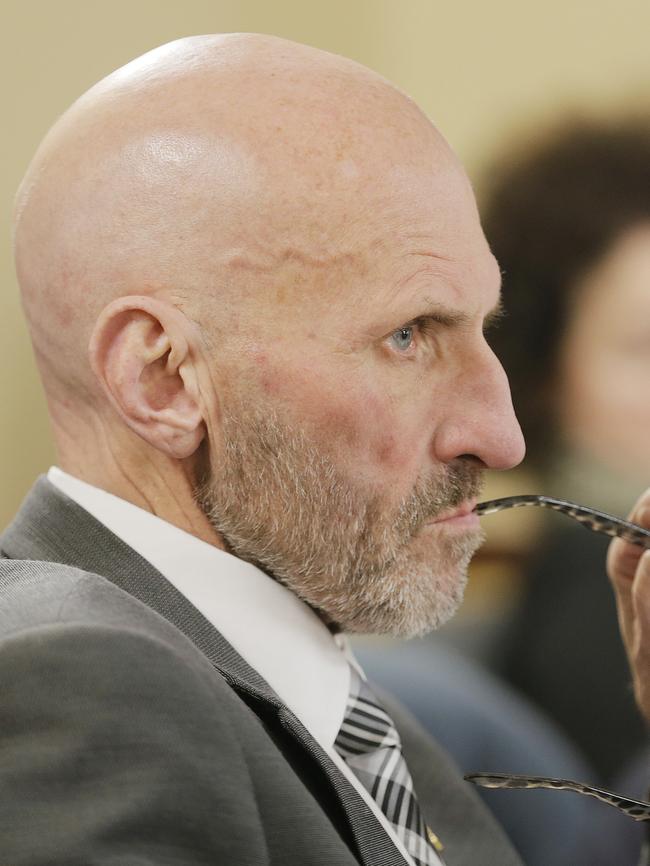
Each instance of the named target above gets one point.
<point>197,169</point>
<point>257,285</point>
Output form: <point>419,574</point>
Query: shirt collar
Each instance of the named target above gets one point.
<point>270,627</point>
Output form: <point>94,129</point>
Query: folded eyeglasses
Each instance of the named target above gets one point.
<point>596,521</point>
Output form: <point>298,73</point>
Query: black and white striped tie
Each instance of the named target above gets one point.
<point>370,745</point>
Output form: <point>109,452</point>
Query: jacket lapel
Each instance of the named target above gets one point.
<point>51,527</point>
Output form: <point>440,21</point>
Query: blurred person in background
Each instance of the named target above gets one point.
<point>568,219</point>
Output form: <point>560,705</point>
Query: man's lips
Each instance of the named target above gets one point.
<point>463,514</point>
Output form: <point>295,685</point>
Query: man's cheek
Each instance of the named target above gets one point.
<point>360,427</point>
<point>377,441</point>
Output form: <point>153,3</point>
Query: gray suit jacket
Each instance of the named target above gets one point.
<point>132,733</point>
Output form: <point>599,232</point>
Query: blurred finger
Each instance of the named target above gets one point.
<point>639,644</point>
<point>623,561</point>
<point>623,558</point>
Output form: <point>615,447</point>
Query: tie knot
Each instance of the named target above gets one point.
<point>366,726</point>
<point>371,747</point>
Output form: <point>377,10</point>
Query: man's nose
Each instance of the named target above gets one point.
<point>480,421</point>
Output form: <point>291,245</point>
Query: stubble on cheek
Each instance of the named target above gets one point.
<point>326,502</point>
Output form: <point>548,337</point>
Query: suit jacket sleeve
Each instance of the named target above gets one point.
<point>113,750</point>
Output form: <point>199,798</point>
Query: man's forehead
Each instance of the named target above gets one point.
<point>385,275</point>
<point>458,287</point>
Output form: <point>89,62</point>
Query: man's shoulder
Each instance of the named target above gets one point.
<point>37,596</point>
<point>35,592</point>
<point>95,629</point>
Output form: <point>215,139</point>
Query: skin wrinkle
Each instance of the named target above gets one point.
<point>206,243</point>
<point>343,260</point>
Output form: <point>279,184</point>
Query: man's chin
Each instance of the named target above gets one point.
<point>436,589</point>
<point>449,541</point>
<point>415,599</point>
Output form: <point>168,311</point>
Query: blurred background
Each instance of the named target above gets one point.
<point>547,106</point>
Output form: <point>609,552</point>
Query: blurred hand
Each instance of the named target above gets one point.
<point>628,567</point>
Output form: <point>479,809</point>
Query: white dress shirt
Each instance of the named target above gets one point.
<point>276,633</point>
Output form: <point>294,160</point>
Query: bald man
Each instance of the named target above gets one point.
<point>256,286</point>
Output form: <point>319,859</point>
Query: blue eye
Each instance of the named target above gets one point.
<point>403,338</point>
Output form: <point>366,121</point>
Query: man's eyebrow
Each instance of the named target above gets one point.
<point>448,316</point>
<point>494,316</point>
<point>442,314</point>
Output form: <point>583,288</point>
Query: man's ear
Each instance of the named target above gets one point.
<point>140,351</point>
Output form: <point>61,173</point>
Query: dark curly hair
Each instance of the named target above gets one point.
<point>550,211</point>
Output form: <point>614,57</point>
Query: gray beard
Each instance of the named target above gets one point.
<point>279,502</point>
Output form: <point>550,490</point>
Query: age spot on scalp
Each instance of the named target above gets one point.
<point>64,313</point>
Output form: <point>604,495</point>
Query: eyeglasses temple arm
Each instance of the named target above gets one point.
<point>638,810</point>
<point>590,518</point>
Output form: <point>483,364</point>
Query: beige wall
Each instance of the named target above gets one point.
<point>480,69</point>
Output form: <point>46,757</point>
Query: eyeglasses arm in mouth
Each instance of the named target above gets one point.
<point>590,518</point>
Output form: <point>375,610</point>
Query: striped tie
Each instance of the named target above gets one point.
<point>371,746</point>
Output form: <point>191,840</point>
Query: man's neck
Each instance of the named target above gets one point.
<point>150,483</point>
